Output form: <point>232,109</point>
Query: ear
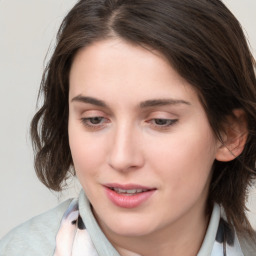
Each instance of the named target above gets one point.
<point>234,137</point>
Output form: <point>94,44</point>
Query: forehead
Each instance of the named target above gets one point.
<point>114,68</point>
<point>116,51</point>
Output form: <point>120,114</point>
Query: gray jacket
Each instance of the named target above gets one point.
<point>37,236</point>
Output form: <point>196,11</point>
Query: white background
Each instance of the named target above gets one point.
<point>27,29</point>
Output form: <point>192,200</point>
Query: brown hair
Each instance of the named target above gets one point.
<point>204,43</point>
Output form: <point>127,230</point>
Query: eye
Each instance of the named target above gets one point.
<point>162,123</point>
<point>95,122</point>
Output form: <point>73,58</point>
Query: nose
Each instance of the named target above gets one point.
<point>126,149</point>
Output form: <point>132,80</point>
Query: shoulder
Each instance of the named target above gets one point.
<point>36,236</point>
<point>248,243</point>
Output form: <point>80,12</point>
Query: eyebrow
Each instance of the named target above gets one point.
<point>162,102</point>
<point>144,104</point>
<point>89,100</point>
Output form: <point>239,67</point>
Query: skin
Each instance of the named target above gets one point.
<point>169,147</point>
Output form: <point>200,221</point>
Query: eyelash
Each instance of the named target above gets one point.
<point>168,123</point>
<point>87,121</point>
<point>164,123</point>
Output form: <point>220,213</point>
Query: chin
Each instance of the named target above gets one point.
<point>133,226</point>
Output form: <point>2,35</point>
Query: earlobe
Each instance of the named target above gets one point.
<point>234,137</point>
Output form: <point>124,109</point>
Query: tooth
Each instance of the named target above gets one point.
<point>128,191</point>
<point>119,190</point>
<point>131,191</point>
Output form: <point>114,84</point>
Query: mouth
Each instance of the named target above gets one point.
<point>129,192</point>
<point>128,196</point>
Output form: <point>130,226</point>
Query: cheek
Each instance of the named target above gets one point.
<point>86,154</point>
<point>185,159</point>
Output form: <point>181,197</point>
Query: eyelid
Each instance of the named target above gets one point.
<point>161,115</point>
<point>88,124</point>
<point>164,127</point>
<point>89,113</point>
<point>168,120</point>
<point>86,117</point>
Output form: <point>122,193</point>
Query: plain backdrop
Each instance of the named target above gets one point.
<point>27,31</point>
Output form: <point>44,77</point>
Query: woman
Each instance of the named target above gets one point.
<point>151,104</point>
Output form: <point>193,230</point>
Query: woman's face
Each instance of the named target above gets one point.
<point>140,140</point>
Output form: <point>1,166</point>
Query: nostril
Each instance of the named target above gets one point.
<point>125,152</point>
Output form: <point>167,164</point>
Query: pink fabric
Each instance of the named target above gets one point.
<point>74,240</point>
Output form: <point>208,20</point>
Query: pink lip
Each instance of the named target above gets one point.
<point>128,201</point>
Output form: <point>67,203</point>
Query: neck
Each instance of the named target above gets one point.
<point>184,237</point>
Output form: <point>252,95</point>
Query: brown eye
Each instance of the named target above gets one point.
<point>94,122</point>
<point>163,122</point>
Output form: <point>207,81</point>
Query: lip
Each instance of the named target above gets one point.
<point>128,201</point>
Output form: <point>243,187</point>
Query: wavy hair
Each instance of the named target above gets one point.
<point>203,42</point>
